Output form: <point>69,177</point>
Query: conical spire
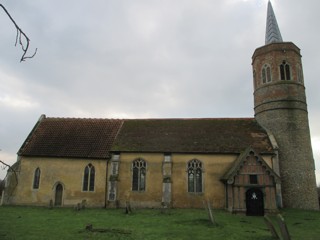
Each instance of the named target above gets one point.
<point>272,31</point>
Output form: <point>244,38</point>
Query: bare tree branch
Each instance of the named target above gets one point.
<point>10,168</point>
<point>21,37</point>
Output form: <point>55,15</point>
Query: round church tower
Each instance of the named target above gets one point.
<point>280,106</point>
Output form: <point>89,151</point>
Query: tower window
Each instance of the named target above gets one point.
<point>194,176</point>
<point>88,178</point>
<point>139,175</point>
<point>266,74</point>
<point>285,72</point>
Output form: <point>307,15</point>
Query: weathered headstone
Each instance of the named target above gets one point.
<point>207,206</point>
<point>128,207</point>
<point>89,227</point>
<point>83,204</point>
<point>271,227</point>
<point>77,207</point>
<point>283,228</point>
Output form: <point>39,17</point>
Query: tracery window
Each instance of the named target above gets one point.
<point>194,176</point>
<point>36,178</point>
<point>139,175</point>
<point>88,178</point>
<point>285,72</point>
<point>266,74</point>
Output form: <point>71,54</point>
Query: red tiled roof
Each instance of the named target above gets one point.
<point>71,137</point>
<point>227,135</point>
<point>96,138</point>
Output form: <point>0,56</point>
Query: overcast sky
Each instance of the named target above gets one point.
<point>143,59</point>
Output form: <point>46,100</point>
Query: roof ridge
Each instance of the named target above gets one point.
<point>81,118</point>
<point>226,118</point>
<point>144,119</point>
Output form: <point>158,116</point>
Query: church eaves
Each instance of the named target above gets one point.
<point>272,30</point>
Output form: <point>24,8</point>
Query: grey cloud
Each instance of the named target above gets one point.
<point>122,58</point>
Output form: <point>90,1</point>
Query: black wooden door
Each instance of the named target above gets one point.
<point>254,202</point>
<point>58,196</point>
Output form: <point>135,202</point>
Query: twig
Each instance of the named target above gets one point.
<point>10,168</point>
<point>22,37</point>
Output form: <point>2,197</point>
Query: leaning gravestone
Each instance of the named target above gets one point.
<point>283,228</point>
<point>128,207</point>
<point>271,227</point>
<point>209,210</point>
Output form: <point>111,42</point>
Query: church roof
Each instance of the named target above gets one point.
<point>96,138</point>
<point>71,137</point>
<point>272,30</point>
<point>212,135</point>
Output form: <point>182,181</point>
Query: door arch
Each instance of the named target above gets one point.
<point>254,202</point>
<point>58,195</point>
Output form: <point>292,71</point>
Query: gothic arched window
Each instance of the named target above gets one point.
<point>266,74</point>
<point>285,72</point>
<point>194,176</point>
<point>139,175</point>
<point>36,178</point>
<point>88,178</point>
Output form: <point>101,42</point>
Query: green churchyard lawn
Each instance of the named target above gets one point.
<point>67,223</point>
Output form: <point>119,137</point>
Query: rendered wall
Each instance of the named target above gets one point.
<point>214,166</point>
<point>68,172</point>
<point>152,196</point>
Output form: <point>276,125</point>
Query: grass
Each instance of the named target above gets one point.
<point>65,223</point>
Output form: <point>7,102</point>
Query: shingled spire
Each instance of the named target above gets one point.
<point>272,31</point>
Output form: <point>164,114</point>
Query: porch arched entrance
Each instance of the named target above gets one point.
<point>254,202</point>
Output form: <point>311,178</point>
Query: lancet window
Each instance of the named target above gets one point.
<point>285,71</point>
<point>266,74</point>
<point>88,178</point>
<point>36,178</point>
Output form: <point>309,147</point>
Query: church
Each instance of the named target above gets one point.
<point>249,165</point>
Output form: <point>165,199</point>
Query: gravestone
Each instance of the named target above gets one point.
<point>271,228</point>
<point>128,207</point>
<point>207,206</point>
<point>283,228</point>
